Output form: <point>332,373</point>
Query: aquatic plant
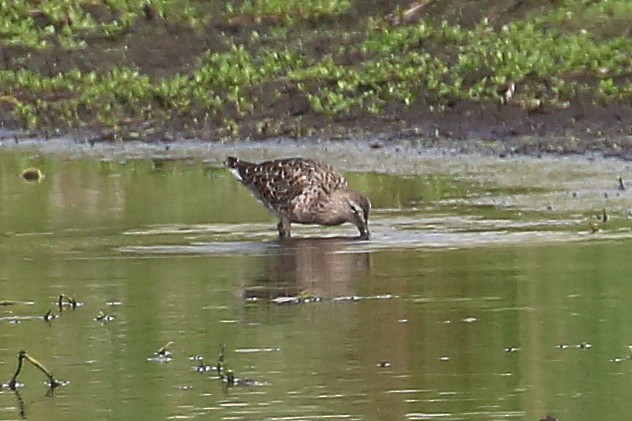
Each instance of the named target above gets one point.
<point>22,356</point>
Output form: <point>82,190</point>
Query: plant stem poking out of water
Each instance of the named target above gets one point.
<point>227,376</point>
<point>66,301</point>
<point>49,316</point>
<point>220,360</point>
<point>52,382</point>
<point>164,350</point>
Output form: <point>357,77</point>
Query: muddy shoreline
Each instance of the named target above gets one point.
<point>405,144</point>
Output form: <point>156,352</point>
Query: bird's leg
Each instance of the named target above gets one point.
<point>284,228</point>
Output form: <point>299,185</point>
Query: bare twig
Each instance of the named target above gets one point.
<point>13,380</point>
<point>164,351</point>
<point>65,299</point>
<point>23,355</point>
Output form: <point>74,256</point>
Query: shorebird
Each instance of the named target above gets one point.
<point>303,191</point>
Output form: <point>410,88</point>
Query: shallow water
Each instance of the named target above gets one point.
<point>484,293</point>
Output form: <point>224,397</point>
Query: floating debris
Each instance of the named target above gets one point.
<point>164,350</point>
<point>23,355</point>
<point>444,358</point>
<point>104,317</point>
<point>65,301</point>
<point>49,316</point>
<point>32,174</point>
<point>203,368</point>
<point>383,364</point>
<point>470,320</point>
<point>621,359</point>
<point>512,349</point>
<point>286,300</point>
<point>230,380</point>
<point>348,298</point>
<point>360,298</point>
<point>163,355</point>
<point>302,298</point>
<point>582,345</point>
<point>159,359</point>
<point>622,185</point>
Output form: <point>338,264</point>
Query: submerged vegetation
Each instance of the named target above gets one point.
<point>262,68</point>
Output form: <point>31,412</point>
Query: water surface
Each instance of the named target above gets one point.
<point>491,289</point>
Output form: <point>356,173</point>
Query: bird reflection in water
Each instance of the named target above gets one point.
<point>321,267</point>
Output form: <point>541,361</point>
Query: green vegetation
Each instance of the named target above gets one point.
<point>270,54</point>
<point>287,11</point>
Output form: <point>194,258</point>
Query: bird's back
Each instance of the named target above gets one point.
<point>284,184</point>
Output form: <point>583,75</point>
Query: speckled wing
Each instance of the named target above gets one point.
<point>285,184</point>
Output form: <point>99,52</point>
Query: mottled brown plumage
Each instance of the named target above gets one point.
<point>303,191</point>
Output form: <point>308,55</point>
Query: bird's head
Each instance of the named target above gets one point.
<point>359,208</point>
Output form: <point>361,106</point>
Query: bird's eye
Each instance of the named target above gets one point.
<point>357,210</point>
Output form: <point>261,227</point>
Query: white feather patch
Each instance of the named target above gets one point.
<point>235,172</point>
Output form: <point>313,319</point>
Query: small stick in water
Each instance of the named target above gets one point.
<point>52,382</point>
<point>48,316</point>
<point>220,360</point>
<point>164,351</point>
<point>65,299</point>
